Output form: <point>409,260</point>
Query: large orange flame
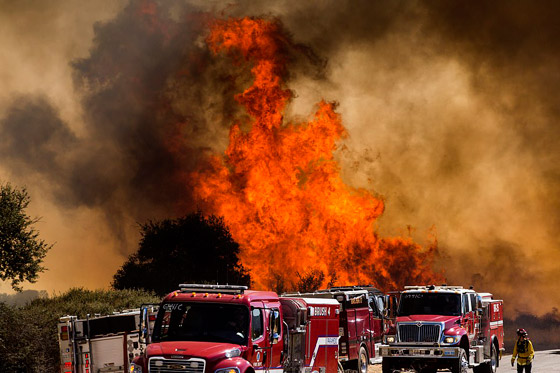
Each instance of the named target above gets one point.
<point>279,188</point>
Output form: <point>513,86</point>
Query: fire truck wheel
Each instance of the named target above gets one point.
<point>362,360</point>
<point>491,366</point>
<point>493,359</point>
<point>340,367</point>
<point>461,364</point>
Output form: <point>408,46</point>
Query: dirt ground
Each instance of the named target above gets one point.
<point>376,368</point>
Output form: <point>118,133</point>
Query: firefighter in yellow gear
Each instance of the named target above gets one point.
<point>523,349</point>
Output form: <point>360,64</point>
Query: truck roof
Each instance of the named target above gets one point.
<point>327,294</point>
<point>245,298</point>
<point>346,291</point>
<point>219,293</point>
<point>313,301</point>
<point>438,289</point>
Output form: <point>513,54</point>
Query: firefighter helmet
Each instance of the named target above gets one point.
<point>521,332</point>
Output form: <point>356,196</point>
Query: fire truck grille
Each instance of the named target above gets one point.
<point>419,333</point>
<point>192,365</point>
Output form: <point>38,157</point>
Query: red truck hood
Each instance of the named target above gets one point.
<point>449,322</point>
<point>205,350</point>
<point>427,318</point>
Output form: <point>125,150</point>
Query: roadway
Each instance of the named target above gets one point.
<point>545,362</point>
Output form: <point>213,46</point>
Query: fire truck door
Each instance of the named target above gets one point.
<point>468,316</point>
<point>376,324</point>
<point>364,331</point>
<point>475,316</point>
<point>257,347</point>
<point>352,333</point>
<point>372,333</point>
<point>274,340</point>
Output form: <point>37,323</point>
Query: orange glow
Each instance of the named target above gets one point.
<point>279,188</point>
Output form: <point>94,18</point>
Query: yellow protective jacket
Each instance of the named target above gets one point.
<point>523,349</point>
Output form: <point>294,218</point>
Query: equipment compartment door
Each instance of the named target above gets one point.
<point>107,351</point>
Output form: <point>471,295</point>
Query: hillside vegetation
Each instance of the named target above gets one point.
<point>28,333</point>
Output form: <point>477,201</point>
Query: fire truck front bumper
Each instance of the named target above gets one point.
<point>418,351</point>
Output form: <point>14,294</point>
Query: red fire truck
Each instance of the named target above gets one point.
<point>445,327</point>
<point>229,329</point>
<point>100,343</point>
<point>361,323</point>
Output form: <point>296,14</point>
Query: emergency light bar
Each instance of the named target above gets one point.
<point>209,288</point>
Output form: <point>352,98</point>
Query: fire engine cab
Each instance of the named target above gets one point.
<point>445,327</point>
<point>230,329</point>
<point>361,323</point>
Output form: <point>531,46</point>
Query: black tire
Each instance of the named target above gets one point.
<point>494,359</point>
<point>461,365</point>
<point>362,360</point>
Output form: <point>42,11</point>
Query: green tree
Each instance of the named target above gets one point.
<point>21,250</point>
<point>191,249</point>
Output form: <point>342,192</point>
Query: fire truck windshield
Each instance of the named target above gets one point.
<point>209,322</point>
<point>446,304</point>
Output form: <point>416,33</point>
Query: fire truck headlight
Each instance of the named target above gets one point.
<point>390,339</point>
<point>232,353</point>
<point>450,340</point>
<point>135,368</point>
<point>228,370</point>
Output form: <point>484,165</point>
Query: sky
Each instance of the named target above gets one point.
<point>451,110</point>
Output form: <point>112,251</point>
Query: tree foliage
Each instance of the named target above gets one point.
<point>28,334</point>
<point>21,250</point>
<point>312,280</point>
<point>191,249</point>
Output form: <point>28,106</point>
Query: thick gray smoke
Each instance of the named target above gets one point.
<point>153,102</point>
<point>451,108</point>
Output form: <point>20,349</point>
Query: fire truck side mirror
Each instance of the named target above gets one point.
<point>380,305</point>
<point>386,313</point>
<point>302,317</point>
<point>145,325</point>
